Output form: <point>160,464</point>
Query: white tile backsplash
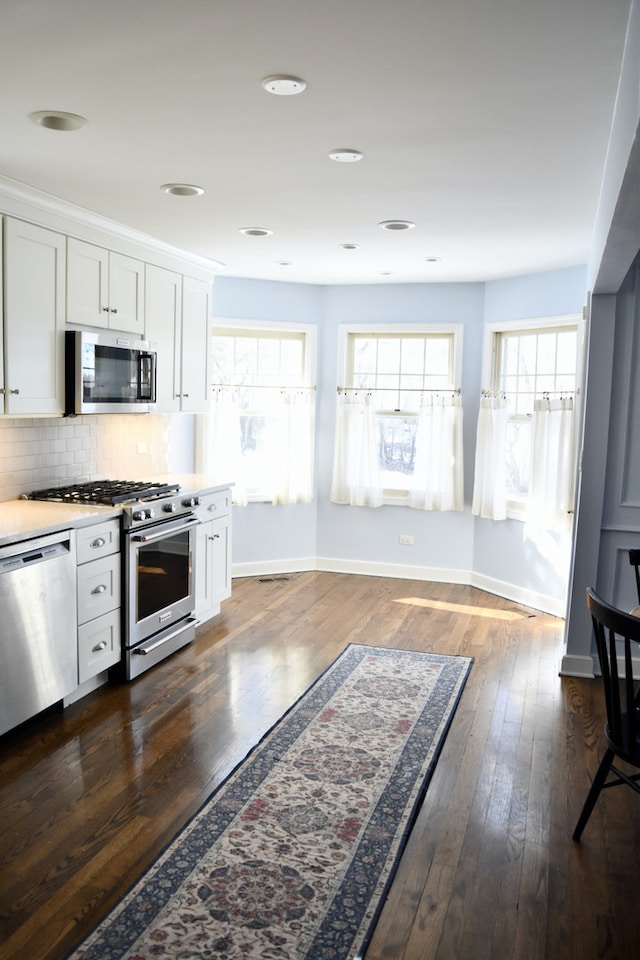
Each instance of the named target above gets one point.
<point>41,452</point>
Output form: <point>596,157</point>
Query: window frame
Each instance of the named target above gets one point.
<point>398,497</point>
<point>516,508</point>
<point>277,329</point>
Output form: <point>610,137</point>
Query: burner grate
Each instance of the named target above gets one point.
<point>109,492</point>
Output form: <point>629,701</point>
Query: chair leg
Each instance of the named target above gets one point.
<point>594,792</point>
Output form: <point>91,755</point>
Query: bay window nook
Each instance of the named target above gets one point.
<point>394,350</point>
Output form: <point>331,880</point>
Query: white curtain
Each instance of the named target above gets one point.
<point>290,444</point>
<point>285,460</point>
<point>356,472</point>
<point>218,453</point>
<point>489,487</point>
<point>551,489</point>
<point>437,477</point>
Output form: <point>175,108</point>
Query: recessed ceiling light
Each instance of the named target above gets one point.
<point>346,156</point>
<point>396,225</point>
<point>58,120</point>
<point>350,246</point>
<point>284,86</point>
<point>283,263</point>
<point>182,189</point>
<point>432,259</point>
<point>255,231</point>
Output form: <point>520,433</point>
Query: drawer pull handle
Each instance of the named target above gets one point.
<point>99,646</point>
<point>98,542</point>
<point>101,588</point>
<point>216,536</point>
<point>212,507</point>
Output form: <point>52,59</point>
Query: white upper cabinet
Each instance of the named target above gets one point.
<point>34,277</point>
<point>194,363</point>
<point>177,319</point>
<point>104,289</point>
<point>163,325</point>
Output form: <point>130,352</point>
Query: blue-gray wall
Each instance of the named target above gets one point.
<point>447,546</point>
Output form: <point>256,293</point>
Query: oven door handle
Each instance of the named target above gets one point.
<point>149,647</point>
<point>167,528</point>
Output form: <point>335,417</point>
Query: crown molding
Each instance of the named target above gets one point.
<point>25,202</point>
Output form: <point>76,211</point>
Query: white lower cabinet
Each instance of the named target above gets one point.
<point>98,598</point>
<point>98,645</point>
<point>213,553</point>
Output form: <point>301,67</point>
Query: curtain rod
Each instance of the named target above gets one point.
<point>402,389</point>
<point>260,386</point>
<point>530,393</point>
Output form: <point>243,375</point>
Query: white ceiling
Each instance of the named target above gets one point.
<point>485,122</point>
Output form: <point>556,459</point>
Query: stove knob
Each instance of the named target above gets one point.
<point>138,515</point>
<point>169,507</point>
<point>190,502</point>
<point>149,513</point>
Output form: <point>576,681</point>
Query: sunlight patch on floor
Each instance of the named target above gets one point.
<point>464,608</point>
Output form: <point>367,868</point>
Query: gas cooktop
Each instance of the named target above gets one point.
<point>110,492</point>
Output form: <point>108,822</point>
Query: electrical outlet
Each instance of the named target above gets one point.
<point>405,538</point>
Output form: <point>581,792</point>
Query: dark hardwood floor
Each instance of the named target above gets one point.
<point>89,796</point>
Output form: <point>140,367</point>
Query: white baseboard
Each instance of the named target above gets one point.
<point>267,568</point>
<point>577,666</point>
<point>527,598</point>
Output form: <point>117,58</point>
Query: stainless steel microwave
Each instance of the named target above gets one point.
<point>109,373</point>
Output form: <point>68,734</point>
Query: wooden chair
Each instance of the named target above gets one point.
<point>617,637</point>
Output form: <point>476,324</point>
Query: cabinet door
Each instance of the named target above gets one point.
<point>194,366</point>
<point>98,587</point>
<point>213,566</point>
<point>87,284</point>
<point>98,645</point>
<point>220,542</point>
<point>163,316</point>
<point>204,608</point>
<point>126,294</point>
<point>34,280</point>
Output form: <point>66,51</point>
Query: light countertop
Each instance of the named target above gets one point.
<point>25,519</point>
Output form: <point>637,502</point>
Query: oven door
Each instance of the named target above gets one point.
<point>160,591</point>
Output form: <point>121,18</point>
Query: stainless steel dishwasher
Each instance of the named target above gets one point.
<point>38,633</point>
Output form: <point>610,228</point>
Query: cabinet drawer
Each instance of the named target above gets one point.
<point>98,588</point>
<point>214,505</point>
<point>97,541</point>
<point>98,645</point>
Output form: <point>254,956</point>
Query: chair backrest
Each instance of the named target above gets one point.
<point>634,560</point>
<point>617,637</point>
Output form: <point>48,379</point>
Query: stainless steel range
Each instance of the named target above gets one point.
<point>158,525</point>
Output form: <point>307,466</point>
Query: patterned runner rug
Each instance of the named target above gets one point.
<point>292,856</point>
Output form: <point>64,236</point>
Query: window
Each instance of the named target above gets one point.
<point>396,369</point>
<point>262,379</point>
<point>400,366</point>
<point>531,362</point>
